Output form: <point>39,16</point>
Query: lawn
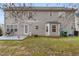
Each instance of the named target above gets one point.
<point>41,46</point>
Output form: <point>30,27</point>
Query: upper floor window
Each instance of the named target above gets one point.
<point>61,14</point>
<point>30,15</point>
<point>53,13</point>
<point>50,13</point>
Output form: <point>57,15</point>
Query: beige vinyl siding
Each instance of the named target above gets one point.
<point>40,19</point>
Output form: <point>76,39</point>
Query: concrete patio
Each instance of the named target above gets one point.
<point>12,37</point>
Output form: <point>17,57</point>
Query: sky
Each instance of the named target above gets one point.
<point>1,17</point>
<point>42,5</point>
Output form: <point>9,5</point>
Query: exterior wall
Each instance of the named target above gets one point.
<point>40,18</point>
<point>77,23</point>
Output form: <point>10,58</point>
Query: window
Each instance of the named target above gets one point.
<point>26,29</point>
<point>53,28</point>
<point>30,14</point>
<point>11,28</point>
<point>7,26</point>
<point>15,30</point>
<point>61,14</point>
<point>54,14</point>
<point>50,13</point>
<point>46,28</point>
<point>8,30</point>
<point>36,27</point>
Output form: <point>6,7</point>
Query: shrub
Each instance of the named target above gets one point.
<point>63,33</point>
<point>35,35</point>
<point>1,32</point>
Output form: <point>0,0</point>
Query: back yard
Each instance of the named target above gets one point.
<point>37,46</point>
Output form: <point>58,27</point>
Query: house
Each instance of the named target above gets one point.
<point>77,21</point>
<point>43,21</point>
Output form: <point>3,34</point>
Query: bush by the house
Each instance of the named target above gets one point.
<point>63,33</point>
<point>35,35</point>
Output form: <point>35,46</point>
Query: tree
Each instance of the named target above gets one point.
<point>1,32</point>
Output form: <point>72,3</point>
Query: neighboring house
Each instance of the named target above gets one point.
<point>43,21</point>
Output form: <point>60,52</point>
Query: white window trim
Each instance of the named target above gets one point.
<point>27,29</point>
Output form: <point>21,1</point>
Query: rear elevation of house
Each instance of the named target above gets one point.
<point>43,21</point>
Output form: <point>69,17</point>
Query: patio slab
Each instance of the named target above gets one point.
<point>12,37</point>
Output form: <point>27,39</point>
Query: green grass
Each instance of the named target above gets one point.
<point>41,46</point>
